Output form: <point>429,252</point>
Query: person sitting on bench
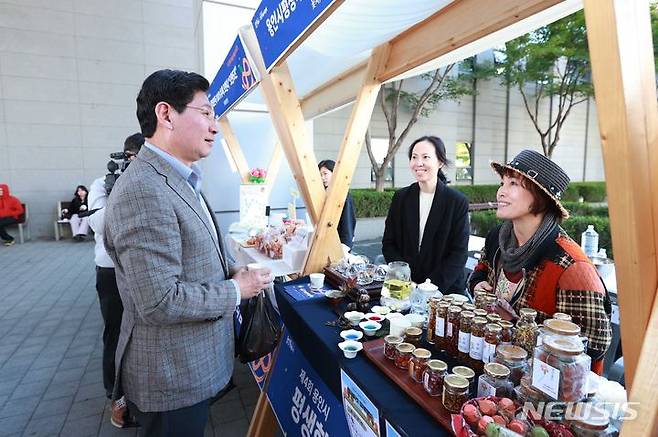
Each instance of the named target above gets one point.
<point>10,213</point>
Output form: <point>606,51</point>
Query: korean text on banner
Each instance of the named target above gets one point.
<point>301,401</point>
<point>279,23</point>
<point>235,78</point>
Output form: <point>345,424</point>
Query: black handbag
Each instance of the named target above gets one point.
<point>260,329</point>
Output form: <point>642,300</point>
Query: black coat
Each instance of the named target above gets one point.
<point>444,248</point>
<point>74,207</point>
<point>347,223</point>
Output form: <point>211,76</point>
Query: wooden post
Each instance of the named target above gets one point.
<point>285,110</point>
<point>621,53</point>
<point>234,148</point>
<point>348,156</point>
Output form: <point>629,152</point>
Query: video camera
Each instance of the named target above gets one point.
<point>118,163</point>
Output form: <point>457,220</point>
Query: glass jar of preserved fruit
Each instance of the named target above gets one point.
<point>480,313</point>
<point>525,392</point>
<point>525,334</point>
<point>403,355</point>
<point>468,307</point>
<point>464,340</point>
<point>455,392</point>
<point>431,318</point>
<point>477,342</point>
<point>419,359</point>
<point>587,420</point>
<point>412,335</point>
<point>560,369</point>
<point>507,334</point>
<point>469,375</point>
<point>493,318</point>
<point>557,327</point>
<point>440,325</point>
<point>495,381</point>
<point>390,344</point>
<point>452,330</point>
<point>480,299</point>
<point>491,340</point>
<point>433,376</point>
<point>515,358</point>
<point>490,303</point>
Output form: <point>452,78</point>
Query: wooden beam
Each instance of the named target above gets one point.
<point>457,24</point>
<point>331,95</point>
<point>621,52</point>
<point>284,107</point>
<point>234,148</point>
<point>348,156</point>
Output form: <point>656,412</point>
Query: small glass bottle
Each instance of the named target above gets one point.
<point>507,334</point>
<point>480,313</point>
<point>412,335</point>
<point>469,375</point>
<point>452,330</point>
<point>433,376</point>
<point>464,340</point>
<point>468,307</point>
<point>481,299</point>
<point>562,316</point>
<point>455,392</point>
<point>403,355</point>
<point>419,359</point>
<point>490,303</point>
<point>431,318</point>
<point>526,330</point>
<point>515,358</point>
<point>477,342</point>
<point>491,340</point>
<point>440,326</point>
<point>493,318</point>
<point>390,344</point>
<point>495,381</point>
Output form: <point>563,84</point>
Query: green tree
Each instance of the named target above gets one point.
<point>552,63</point>
<point>436,86</point>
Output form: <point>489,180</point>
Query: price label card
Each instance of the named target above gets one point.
<point>545,378</point>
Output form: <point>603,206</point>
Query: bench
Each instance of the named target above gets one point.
<point>23,228</point>
<point>59,222</point>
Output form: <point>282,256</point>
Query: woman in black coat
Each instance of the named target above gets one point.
<point>427,223</point>
<point>347,221</point>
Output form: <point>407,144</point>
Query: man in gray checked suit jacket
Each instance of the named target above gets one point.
<point>175,350</point>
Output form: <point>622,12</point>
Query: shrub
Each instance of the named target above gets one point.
<point>370,203</point>
<point>478,193</point>
<point>578,208</point>
<point>483,221</point>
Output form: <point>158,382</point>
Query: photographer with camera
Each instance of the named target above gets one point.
<point>106,284</point>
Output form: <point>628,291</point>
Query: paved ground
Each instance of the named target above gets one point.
<point>51,348</point>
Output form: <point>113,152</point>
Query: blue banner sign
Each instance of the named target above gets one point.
<point>235,78</point>
<point>302,403</point>
<point>279,23</point>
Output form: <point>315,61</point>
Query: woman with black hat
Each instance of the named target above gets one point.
<point>530,261</point>
<point>427,223</point>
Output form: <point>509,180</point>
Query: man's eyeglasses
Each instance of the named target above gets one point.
<point>207,112</point>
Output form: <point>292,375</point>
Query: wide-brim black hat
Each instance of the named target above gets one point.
<point>546,174</point>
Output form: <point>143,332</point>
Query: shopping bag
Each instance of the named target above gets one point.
<point>260,329</point>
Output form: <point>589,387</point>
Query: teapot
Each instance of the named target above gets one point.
<point>421,295</point>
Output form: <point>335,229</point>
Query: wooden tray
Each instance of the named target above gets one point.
<point>336,279</point>
<point>374,350</point>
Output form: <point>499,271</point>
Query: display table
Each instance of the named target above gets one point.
<point>305,322</point>
<point>247,255</point>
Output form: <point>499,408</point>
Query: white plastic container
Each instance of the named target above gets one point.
<point>589,241</point>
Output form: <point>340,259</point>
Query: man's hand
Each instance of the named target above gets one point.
<point>483,286</point>
<point>252,281</point>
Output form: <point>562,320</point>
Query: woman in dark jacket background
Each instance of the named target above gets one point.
<point>427,223</point>
<point>79,225</point>
<point>347,221</point>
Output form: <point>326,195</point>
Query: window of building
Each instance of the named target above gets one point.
<point>463,162</point>
<point>379,150</point>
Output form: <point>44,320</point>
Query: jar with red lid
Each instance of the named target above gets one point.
<point>433,376</point>
<point>419,359</point>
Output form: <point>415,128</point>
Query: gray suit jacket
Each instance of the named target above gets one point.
<point>176,343</point>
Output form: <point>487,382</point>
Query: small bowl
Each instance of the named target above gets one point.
<point>370,327</point>
<point>333,296</point>
<point>381,310</point>
<point>374,317</point>
<point>354,317</point>
<point>416,320</point>
<point>350,348</point>
<point>391,316</point>
<point>351,334</point>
